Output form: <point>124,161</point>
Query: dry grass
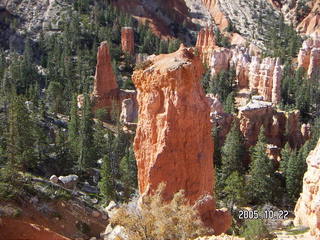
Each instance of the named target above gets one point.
<point>155,219</point>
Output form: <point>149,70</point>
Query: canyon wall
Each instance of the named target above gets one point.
<point>307,210</point>
<point>260,76</point>
<point>309,55</point>
<point>311,23</point>
<point>173,142</point>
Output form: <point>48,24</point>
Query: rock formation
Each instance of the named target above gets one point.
<point>276,124</point>
<point>173,141</point>
<point>265,78</point>
<point>129,112</point>
<point>311,23</point>
<point>309,55</point>
<point>106,93</point>
<point>206,43</point>
<point>307,210</point>
<point>105,80</point>
<point>127,40</point>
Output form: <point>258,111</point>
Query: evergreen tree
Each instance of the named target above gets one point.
<point>107,182</point>
<point>232,152</point>
<point>229,105</point>
<point>296,168</point>
<point>73,128</point>
<point>234,190</point>
<point>86,142</point>
<point>55,97</point>
<point>20,136</point>
<point>128,170</point>
<point>286,153</point>
<point>261,173</point>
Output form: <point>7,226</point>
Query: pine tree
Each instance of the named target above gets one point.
<point>232,152</point>
<point>73,128</point>
<point>261,171</point>
<point>20,136</point>
<point>286,153</point>
<point>128,171</point>
<point>229,105</point>
<point>234,190</point>
<point>86,142</point>
<point>107,182</point>
<point>296,168</point>
<point>55,97</point>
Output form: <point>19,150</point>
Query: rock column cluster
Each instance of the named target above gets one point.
<point>309,56</point>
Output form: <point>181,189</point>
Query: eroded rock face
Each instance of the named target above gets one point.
<point>309,55</point>
<point>105,80</point>
<point>307,210</point>
<point>128,112</point>
<point>127,40</point>
<point>258,113</point>
<point>311,23</point>
<point>206,43</point>
<point>265,78</point>
<point>260,76</point>
<point>173,141</point>
<point>106,93</point>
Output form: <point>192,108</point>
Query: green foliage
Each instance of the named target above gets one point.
<point>87,156</point>
<point>229,105</point>
<point>223,84</point>
<point>255,230</point>
<point>296,167</point>
<point>286,154</point>
<point>107,182</point>
<point>20,137</point>
<point>261,173</point>
<point>128,171</point>
<point>221,40</point>
<point>73,128</point>
<point>234,190</point>
<point>55,97</point>
<point>282,41</point>
<point>233,152</point>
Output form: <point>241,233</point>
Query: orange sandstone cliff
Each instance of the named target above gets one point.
<point>307,210</point>
<point>173,142</point>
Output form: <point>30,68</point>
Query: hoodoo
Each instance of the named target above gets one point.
<point>127,40</point>
<point>173,142</point>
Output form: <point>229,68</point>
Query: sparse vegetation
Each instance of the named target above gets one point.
<point>156,219</point>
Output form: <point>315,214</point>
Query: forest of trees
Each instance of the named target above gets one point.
<point>44,82</point>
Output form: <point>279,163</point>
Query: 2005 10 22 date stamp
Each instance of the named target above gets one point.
<point>266,214</point>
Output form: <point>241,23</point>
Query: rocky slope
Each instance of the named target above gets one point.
<point>307,210</point>
<point>173,141</point>
<point>30,18</point>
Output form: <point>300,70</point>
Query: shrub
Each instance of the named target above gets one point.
<point>255,230</point>
<point>158,220</point>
